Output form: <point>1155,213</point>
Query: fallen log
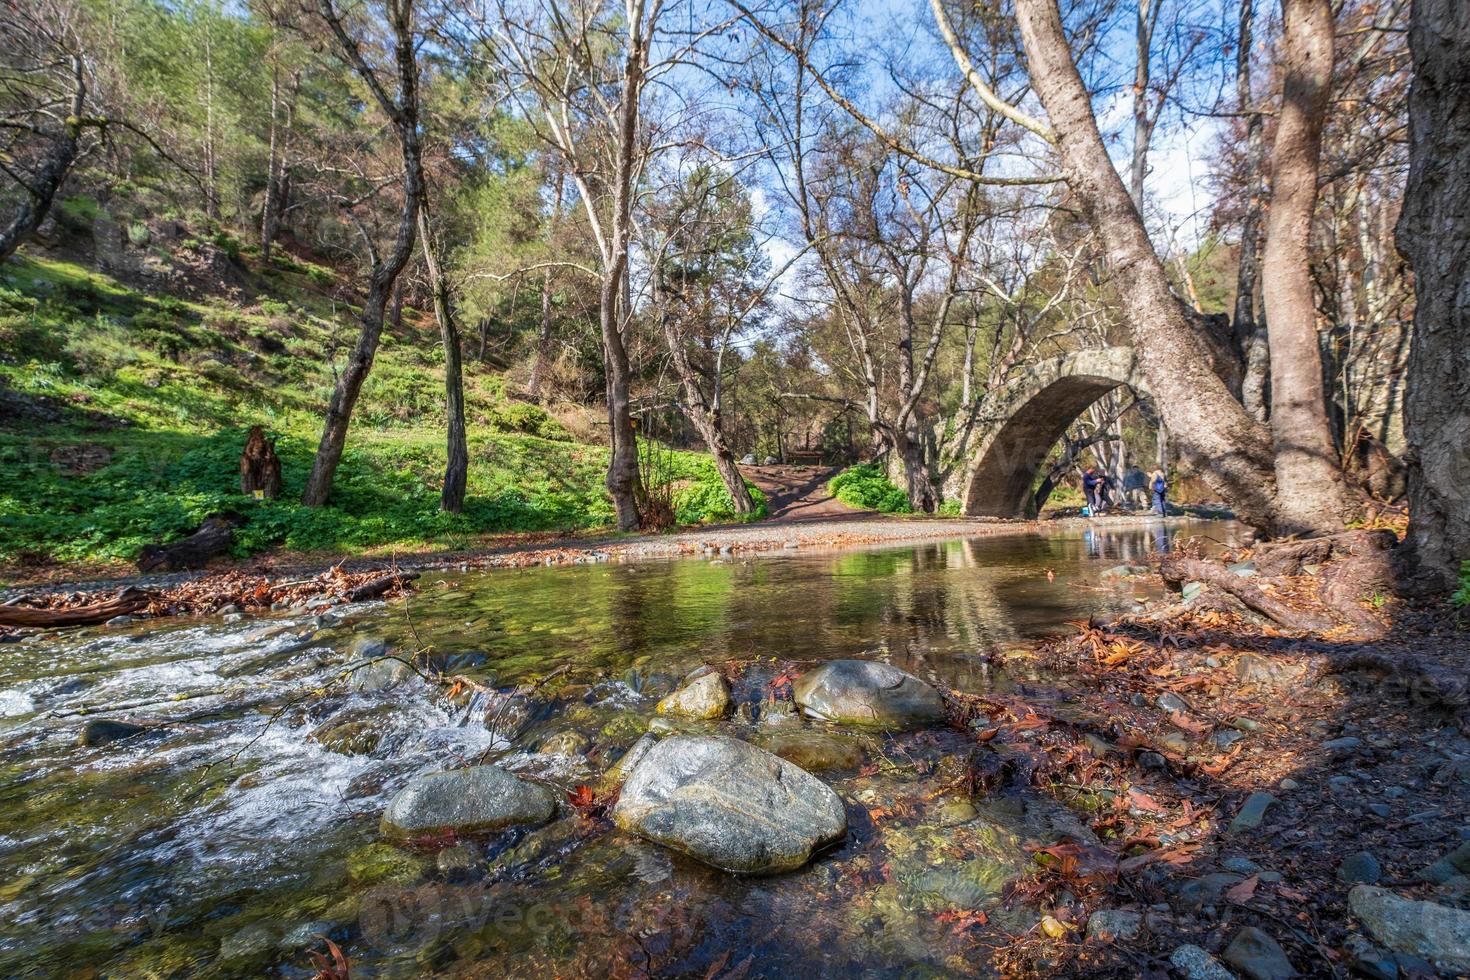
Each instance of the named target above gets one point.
<point>213,538</point>
<point>129,600</point>
<point>373,588</point>
<point>1178,568</point>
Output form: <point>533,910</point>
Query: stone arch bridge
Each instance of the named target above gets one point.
<point>1021,421</point>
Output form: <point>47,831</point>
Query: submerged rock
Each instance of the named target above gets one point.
<point>1435,932</point>
<point>356,731</point>
<point>816,751</point>
<point>868,694</point>
<point>480,798</point>
<point>729,804</point>
<point>780,714</point>
<point>564,743</point>
<point>956,812</point>
<point>704,698</point>
<point>101,731</point>
<point>372,676</point>
<point>959,884</point>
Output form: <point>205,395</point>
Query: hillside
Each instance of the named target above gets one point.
<point>124,400</point>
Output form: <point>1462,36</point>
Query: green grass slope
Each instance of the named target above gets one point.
<point>123,412</point>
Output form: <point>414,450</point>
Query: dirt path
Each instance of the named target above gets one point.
<point>799,493</point>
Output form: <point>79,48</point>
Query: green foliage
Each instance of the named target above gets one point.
<point>1065,495</point>
<point>1461,597</point>
<point>160,486</point>
<point>704,498</point>
<point>865,486</point>
<point>82,209</point>
<point>527,419</point>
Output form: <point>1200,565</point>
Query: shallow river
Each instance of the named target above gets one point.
<point>225,841</point>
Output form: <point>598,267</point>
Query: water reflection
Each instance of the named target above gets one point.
<point>931,607</point>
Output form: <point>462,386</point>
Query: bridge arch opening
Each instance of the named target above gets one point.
<point>1029,418</point>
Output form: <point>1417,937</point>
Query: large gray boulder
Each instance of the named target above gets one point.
<point>480,798</point>
<point>729,804</point>
<point>868,694</point>
<point>1432,931</point>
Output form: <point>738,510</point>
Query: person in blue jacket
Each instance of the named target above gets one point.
<point>1092,487</point>
<point>1160,487</point>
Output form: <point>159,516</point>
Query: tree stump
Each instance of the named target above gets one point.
<point>260,467</point>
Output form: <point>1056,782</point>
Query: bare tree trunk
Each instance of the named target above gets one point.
<point>403,111</point>
<point>277,171</point>
<point>1245,324</point>
<point>1255,387</point>
<point>1213,433</point>
<point>456,468</point>
<point>38,193</point>
<point>1309,488</point>
<point>1434,235</point>
<point>706,419</point>
<point>272,162</point>
<point>1143,124</point>
<point>543,341</point>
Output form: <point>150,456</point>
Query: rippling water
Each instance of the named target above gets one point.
<point>223,840</point>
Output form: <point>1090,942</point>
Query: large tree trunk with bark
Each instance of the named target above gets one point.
<point>1211,430</point>
<point>622,467</point>
<point>1309,488</point>
<point>909,444</point>
<point>456,468</point>
<point>404,113</point>
<point>1434,235</point>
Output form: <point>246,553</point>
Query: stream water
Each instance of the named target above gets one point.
<point>224,841</point>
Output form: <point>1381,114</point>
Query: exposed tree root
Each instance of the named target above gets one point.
<point>1178,568</point>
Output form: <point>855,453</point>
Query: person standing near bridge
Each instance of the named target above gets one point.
<point>1160,488</point>
<point>1092,484</point>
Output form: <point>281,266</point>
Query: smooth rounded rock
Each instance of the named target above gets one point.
<point>729,804</point>
<point>100,731</point>
<point>1258,956</point>
<point>1435,932</point>
<point>480,798</point>
<point>868,694</point>
<point>704,698</point>
<point>1361,868</point>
